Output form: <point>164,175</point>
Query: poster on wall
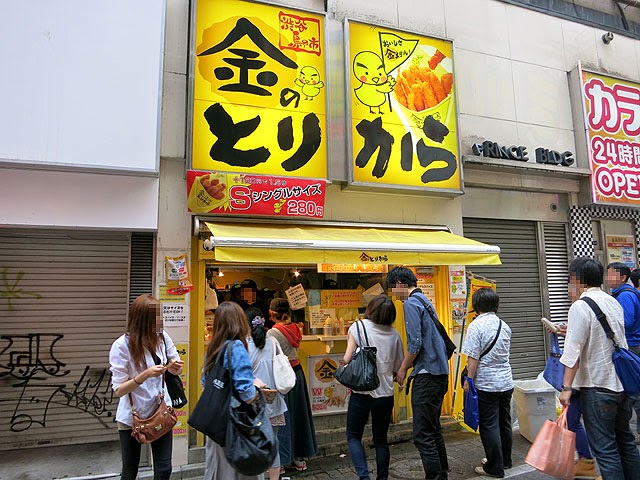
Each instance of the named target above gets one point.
<point>180,428</point>
<point>259,93</point>
<point>474,283</point>
<point>621,248</point>
<point>327,394</point>
<point>612,118</point>
<point>457,296</point>
<point>244,194</point>
<point>401,100</point>
<point>427,283</point>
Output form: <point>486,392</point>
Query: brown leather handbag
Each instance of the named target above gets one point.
<point>147,430</point>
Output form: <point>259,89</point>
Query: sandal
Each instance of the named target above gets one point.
<point>282,470</point>
<point>300,465</point>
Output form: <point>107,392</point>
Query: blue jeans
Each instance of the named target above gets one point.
<point>575,425</point>
<point>606,417</point>
<point>635,399</point>
<point>357,415</point>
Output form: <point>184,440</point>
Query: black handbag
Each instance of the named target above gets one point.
<point>361,373</point>
<point>174,387</point>
<point>251,447</point>
<point>210,414</point>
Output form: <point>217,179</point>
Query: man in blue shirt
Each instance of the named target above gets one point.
<point>623,290</point>
<point>427,354</point>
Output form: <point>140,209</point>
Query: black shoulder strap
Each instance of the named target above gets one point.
<point>495,339</point>
<point>434,317</point>
<point>366,338</point>
<point>602,318</point>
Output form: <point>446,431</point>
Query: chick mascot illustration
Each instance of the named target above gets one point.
<point>310,82</point>
<point>376,84</point>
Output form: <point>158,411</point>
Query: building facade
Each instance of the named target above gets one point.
<point>517,82</point>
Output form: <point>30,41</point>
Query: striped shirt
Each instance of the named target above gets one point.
<point>494,369</point>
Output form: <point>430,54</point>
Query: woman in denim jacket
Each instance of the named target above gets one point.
<point>230,327</point>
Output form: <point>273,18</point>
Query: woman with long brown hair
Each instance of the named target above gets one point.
<point>231,330</point>
<point>139,359</point>
<point>297,438</point>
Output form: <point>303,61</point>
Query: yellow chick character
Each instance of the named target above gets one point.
<point>368,68</point>
<point>310,82</point>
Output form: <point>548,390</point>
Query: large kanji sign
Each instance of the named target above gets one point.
<point>259,102</point>
<point>612,114</point>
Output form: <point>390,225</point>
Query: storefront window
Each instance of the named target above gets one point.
<point>334,300</point>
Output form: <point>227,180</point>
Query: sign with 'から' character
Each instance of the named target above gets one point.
<point>259,94</point>
<point>403,114</point>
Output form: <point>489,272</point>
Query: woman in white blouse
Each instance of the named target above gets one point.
<point>489,367</point>
<point>139,359</point>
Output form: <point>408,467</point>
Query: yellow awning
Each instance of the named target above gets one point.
<point>297,245</point>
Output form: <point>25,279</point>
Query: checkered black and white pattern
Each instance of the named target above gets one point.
<point>580,218</point>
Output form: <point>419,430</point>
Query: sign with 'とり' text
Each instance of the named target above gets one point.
<point>403,114</point>
<point>612,114</point>
<point>259,95</point>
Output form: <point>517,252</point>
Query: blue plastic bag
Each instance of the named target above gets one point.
<point>627,366</point>
<point>554,370</point>
<point>470,408</point>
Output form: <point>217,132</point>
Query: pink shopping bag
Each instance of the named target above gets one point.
<point>553,450</point>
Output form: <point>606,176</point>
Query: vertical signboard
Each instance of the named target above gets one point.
<point>612,117</point>
<point>403,111</point>
<point>259,93</point>
<point>327,394</point>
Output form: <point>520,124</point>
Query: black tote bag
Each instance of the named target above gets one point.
<point>212,410</point>
<point>250,446</point>
<point>361,373</point>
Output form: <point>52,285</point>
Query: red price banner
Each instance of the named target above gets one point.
<point>244,194</point>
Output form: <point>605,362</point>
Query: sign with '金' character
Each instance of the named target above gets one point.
<point>403,113</point>
<point>327,395</point>
<point>259,94</point>
<point>612,118</point>
<point>246,194</point>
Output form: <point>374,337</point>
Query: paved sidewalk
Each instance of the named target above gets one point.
<point>463,448</point>
<point>102,462</point>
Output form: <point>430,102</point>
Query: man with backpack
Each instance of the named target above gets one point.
<point>623,290</point>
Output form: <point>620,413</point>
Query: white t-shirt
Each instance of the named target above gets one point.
<point>494,369</point>
<point>388,357</point>
<point>587,341</point>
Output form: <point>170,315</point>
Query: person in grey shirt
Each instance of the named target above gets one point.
<point>489,367</point>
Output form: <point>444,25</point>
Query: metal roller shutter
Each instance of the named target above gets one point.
<point>63,302</point>
<point>518,284</point>
<point>141,271</point>
<point>556,268</point>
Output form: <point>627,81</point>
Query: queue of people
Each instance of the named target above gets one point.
<point>591,388</point>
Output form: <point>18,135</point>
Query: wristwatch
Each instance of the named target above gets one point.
<point>566,388</point>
